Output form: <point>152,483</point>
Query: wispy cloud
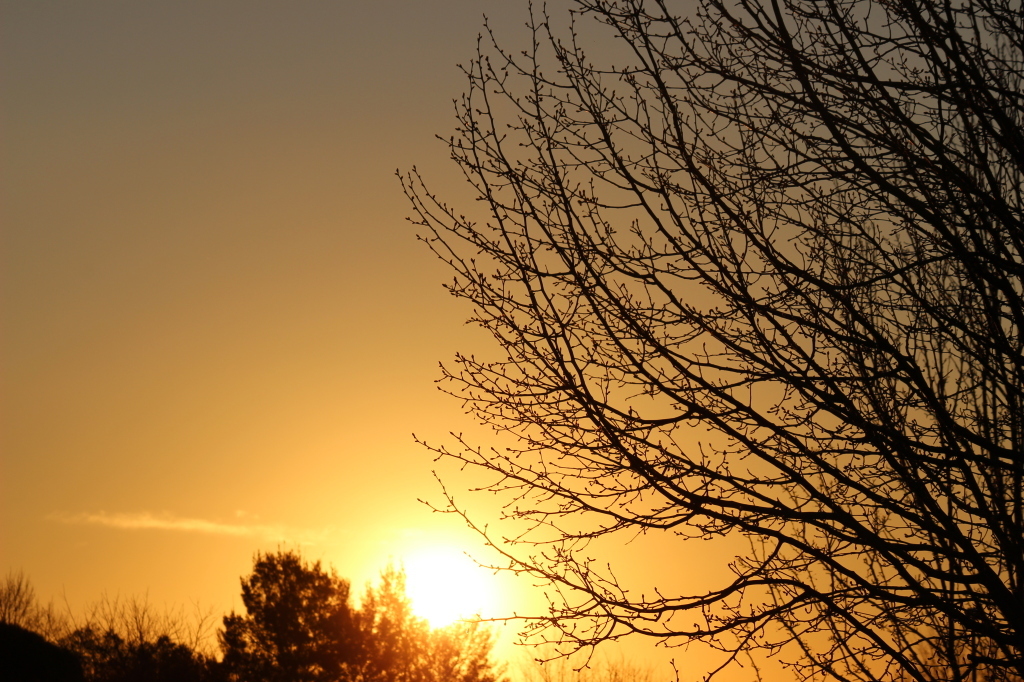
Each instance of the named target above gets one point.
<point>149,521</point>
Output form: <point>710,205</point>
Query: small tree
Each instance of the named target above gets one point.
<point>763,276</point>
<point>462,651</point>
<point>19,606</point>
<point>392,639</point>
<point>17,599</point>
<point>399,647</point>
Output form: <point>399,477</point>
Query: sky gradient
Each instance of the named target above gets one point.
<point>219,332</point>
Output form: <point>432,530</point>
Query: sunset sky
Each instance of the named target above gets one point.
<point>219,332</point>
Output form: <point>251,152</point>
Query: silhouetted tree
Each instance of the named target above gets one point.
<point>127,640</point>
<point>298,625</point>
<point>17,599</point>
<point>462,652</point>
<point>19,606</point>
<point>396,646</point>
<point>762,276</point>
<point>135,621</point>
<point>106,656</point>
<point>301,626</point>
<point>392,639</point>
<point>115,640</point>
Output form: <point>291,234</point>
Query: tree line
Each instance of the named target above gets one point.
<point>299,625</point>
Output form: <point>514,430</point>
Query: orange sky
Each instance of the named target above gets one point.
<point>213,308</point>
<point>218,331</point>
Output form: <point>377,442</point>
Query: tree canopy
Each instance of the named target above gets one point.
<point>297,621</point>
<point>761,275</point>
<point>300,626</point>
<point>107,656</point>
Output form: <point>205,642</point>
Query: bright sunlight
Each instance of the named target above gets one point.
<point>445,586</point>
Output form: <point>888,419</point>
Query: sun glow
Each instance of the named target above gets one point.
<point>445,586</point>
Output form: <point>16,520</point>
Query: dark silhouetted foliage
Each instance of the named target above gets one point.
<point>106,656</point>
<point>758,272</point>
<point>26,656</point>
<point>118,640</point>
<point>299,626</point>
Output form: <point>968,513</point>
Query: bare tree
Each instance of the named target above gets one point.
<point>17,599</point>
<point>561,669</point>
<point>762,277</point>
<point>19,606</point>
<point>136,621</point>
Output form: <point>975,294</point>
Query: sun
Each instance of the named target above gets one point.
<point>446,586</point>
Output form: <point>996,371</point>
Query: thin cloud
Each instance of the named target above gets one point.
<point>150,521</point>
